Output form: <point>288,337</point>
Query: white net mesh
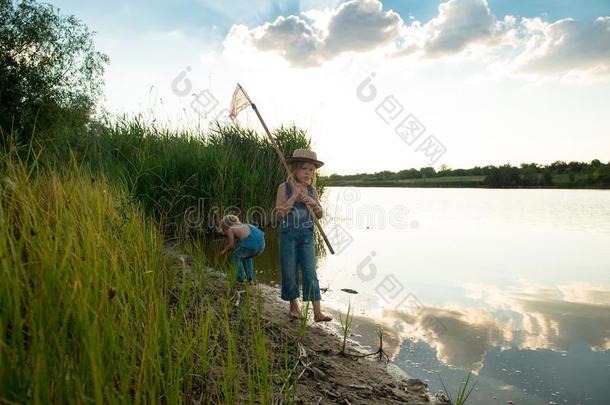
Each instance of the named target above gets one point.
<point>239,101</point>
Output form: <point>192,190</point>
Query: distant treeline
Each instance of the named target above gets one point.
<point>559,174</point>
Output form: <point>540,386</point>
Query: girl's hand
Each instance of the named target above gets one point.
<point>309,201</point>
<point>301,196</point>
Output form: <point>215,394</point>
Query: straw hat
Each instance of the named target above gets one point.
<point>305,155</point>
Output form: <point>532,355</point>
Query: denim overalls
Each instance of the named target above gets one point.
<point>297,249</point>
<point>248,247</point>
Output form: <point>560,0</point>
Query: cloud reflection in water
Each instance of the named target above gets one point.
<point>523,317</point>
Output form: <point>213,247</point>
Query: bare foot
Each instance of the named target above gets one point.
<point>322,317</point>
<point>294,314</point>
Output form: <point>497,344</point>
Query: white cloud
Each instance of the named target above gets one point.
<point>293,38</point>
<point>462,27</point>
<point>361,25</point>
<point>566,46</point>
<point>459,24</point>
<point>316,36</point>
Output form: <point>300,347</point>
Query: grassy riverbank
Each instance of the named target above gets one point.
<point>92,311</point>
<point>95,306</point>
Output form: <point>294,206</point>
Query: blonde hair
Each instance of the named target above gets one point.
<point>229,220</point>
<point>294,166</point>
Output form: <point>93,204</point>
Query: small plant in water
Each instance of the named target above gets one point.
<point>380,352</point>
<point>463,394</point>
<point>303,320</point>
<point>346,324</point>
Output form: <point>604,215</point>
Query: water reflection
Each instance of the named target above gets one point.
<point>522,318</point>
<point>552,318</point>
<point>468,336</point>
<point>527,344</point>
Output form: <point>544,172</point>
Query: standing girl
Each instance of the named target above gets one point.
<point>296,240</point>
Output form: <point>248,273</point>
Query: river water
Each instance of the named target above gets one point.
<point>513,285</point>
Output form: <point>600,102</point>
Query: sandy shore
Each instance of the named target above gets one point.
<point>337,378</point>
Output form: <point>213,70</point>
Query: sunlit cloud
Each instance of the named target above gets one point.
<point>459,24</point>
<point>315,36</point>
<point>528,45</point>
<point>566,46</point>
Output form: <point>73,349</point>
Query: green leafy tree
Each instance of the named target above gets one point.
<point>503,176</point>
<point>547,177</point>
<point>576,167</point>
<point>428,172</point>
<point>605,175</point>
<point>50,73</point>
<point>409,174</point>
<point>529,174</point>
<point>559,167</point>
<point>571,177</point>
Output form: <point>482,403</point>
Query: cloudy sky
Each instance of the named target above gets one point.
<point>378,85</point>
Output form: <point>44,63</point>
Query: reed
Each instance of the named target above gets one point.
<point>92,309</point>
<point>185,179</point>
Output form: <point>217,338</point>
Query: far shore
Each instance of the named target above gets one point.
<point>451,182</point>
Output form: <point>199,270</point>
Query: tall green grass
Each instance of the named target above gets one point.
<point>173,173</point>
<point>92,311</point>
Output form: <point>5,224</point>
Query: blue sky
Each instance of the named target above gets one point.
<point>497,81</point>
<point>551,9</point>
<point>198,16</point>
